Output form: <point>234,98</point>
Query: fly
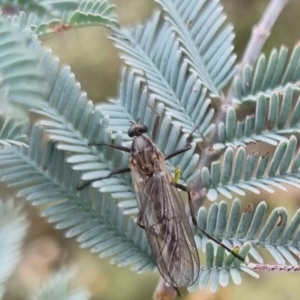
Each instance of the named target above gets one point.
<point>161,210</point>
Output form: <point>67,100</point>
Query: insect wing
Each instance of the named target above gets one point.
<point>169,234</point>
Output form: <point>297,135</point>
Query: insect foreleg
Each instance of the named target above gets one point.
<point>194,220</point>
<point>119,147</point>
<point>87,183</point>
<point>119,171</point>
<point>187,147</point>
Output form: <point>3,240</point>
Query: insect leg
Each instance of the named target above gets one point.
<point>119,171</point>
<point>87,183</point>
<point>186,148</point>
<point>194,220</point>
<point>119,147</point>
<point>139,221</point>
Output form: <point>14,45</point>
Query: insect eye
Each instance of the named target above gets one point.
<point>142,128</point>
<point>131,131</point>
<point>137,130</point>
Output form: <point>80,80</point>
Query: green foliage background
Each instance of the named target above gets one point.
<point>95,62</point>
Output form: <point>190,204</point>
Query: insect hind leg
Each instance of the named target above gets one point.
<point>139,221</point>
<point>194,220</point>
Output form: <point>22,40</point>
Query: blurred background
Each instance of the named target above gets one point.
<point>96,65</point>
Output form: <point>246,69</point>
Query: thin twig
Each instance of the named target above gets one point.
<point>260,33</point>
<point>198,193</point>
<point>273,268</point>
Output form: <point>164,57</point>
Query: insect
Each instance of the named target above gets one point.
<point>161,210</point>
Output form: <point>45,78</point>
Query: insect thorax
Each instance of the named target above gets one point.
<point>144,155</point>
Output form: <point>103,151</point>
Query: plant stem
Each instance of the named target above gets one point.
<point>260,33</point>
<point>274,268</point>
